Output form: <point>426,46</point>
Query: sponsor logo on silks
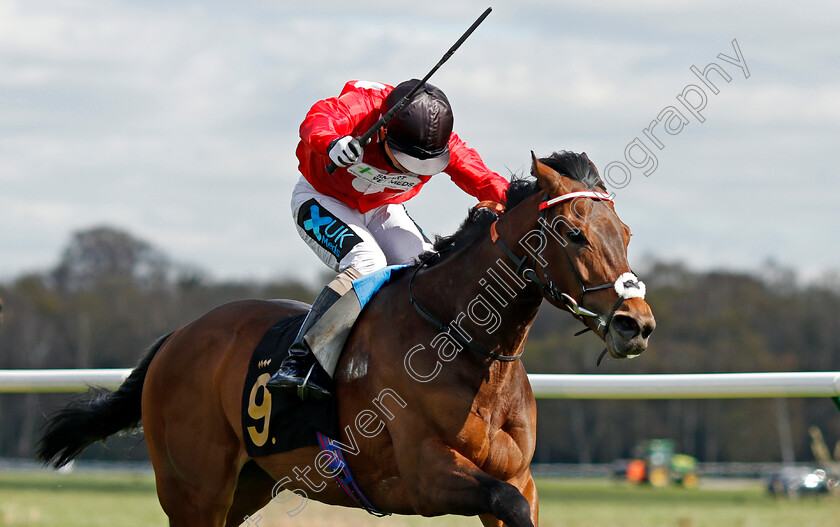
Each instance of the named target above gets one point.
<point>315,222</point>
<point>374,176</point>
<point>330,232</point>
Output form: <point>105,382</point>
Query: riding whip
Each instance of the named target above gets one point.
<point>365,138</point>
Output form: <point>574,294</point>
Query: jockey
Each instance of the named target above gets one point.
<point>354,219</point>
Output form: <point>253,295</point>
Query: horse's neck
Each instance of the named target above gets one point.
<point>484,297</point>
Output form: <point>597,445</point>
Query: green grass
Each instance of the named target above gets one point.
<point>79,499</point>
<point>604,504</point>
<point>127,500</point>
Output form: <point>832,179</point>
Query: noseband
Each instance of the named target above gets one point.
<point>626,286</point>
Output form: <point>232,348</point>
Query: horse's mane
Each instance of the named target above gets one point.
<point>574,166</point>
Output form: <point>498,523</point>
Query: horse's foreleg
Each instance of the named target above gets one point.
<point>440,486</point>
<point>488,520</point>
<point>529,490</point>
<point>530,493</point>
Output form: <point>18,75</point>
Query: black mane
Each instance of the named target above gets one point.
<point>574,166</point>
<point>479,220</point>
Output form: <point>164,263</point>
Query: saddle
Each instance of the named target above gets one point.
<point>327,337</point>
<point>272,424</point>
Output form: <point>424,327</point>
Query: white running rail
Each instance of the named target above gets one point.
<point>546,386</point>
<point>687,386</point>
<point>46,381</point>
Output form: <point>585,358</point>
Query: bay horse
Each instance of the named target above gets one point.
<point>438,417</point>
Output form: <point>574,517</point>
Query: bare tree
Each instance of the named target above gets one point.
<point>105,253</point>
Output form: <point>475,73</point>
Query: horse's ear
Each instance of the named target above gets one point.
<point>547,177</point>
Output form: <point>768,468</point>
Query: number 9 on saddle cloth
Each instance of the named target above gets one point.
<point>272,424</point>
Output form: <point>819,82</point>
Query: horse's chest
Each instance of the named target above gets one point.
<point>493,447</point>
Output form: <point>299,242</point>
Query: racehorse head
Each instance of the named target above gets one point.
<point>584,253</point>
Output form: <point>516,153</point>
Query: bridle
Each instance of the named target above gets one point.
<point>626,286</point>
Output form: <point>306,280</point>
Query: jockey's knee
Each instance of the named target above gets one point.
<point>371,261</point>
<point>343,282</point>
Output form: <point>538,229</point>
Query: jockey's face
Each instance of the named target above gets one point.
<point>390,156</point>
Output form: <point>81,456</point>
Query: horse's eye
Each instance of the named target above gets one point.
<point>576,237</point>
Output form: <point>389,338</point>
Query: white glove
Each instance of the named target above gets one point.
<point>345,150</point>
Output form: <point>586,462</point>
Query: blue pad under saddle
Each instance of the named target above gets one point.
<point>369,284</point>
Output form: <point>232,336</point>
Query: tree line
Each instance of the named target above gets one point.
<point>112,294</point>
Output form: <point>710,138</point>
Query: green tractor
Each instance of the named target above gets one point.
<point>656,463</point>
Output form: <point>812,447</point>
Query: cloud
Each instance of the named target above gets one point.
<point>179,121</point>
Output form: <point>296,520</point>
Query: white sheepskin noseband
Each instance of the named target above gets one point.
<point>628,285</point>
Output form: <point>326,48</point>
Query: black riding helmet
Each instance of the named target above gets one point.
<point>418,134</point>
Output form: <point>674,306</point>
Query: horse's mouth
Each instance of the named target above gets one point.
<point>625,355</point>
<point>628,335</point>
<point>620,348</point>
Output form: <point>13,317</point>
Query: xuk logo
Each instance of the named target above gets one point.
<point>315,222</point>
<point>328,231</point>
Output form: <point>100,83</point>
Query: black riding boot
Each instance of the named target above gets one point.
<point>300,373</point>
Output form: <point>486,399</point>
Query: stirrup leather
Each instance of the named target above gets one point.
<point>301,389</point>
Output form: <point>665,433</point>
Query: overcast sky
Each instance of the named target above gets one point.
<point>178,121</point>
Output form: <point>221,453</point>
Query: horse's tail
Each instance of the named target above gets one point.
<point>85,421</point>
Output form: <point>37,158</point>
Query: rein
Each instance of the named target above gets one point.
<point>446,328</point>
<point>626,286</point>
<point>546,285</point>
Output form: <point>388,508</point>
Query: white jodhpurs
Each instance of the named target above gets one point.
<point>343,237</point>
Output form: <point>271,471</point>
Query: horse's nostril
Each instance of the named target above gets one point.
<point>626,326</point>
<point>647,330</point>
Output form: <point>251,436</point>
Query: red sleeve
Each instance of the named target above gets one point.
<point>469,172</point>
<point>340,116</point>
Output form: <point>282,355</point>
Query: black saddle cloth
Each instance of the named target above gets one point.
<point>273,424</point>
